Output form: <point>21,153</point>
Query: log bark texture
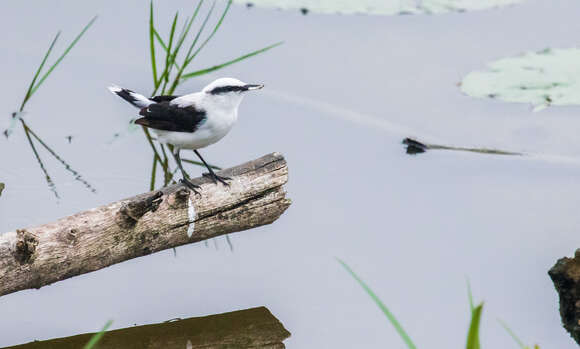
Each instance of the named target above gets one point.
<point>565,275</point>
<point>253,328</point>
<point>173,216</point>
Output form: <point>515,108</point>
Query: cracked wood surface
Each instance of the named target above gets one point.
<point>254,328</point>
<point>147,223</point>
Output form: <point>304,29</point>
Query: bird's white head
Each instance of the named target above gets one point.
<point>228,92</point>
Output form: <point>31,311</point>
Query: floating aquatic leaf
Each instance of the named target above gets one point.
<point>544,78</point>
<point>381,7</point>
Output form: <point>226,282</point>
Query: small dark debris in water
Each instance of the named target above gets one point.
<point>548,99</point>
<point>6,133</point>
<point>249,5</point>
<point>69,139</point>
<point>304,11</point>
<point>564,275</point>
<point>2,186</point>
<point>492,95</point>
<point>414,147</point>
<point>14,115</point>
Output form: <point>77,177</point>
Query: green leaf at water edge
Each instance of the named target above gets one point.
<point>382,306</point>
<point>97,336</point>
<point>473,333</point>
<point>514,336</point>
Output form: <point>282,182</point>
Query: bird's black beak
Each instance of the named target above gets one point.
<point>253,87</point>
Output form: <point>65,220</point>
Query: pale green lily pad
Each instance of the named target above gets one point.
<point>382,7</point>
<point>544,78</point>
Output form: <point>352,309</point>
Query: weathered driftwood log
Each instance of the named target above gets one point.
<point>565,275</point>
<point>253,328</point>
<point>147,223</point>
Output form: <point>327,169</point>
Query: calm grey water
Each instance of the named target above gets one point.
<point>341,94</point>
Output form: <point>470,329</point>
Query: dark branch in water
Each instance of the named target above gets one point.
<point>416,147</point>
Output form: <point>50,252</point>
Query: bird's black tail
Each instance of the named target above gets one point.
<point>134,98</point>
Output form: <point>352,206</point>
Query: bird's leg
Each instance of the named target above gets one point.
<point>185,180</point>
<point>215,178</point>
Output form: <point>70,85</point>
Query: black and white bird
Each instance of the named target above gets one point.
<point>192,121</point>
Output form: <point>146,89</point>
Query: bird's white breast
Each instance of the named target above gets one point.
<point>218,122</point>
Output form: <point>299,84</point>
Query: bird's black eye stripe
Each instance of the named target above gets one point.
<point>225,89</point>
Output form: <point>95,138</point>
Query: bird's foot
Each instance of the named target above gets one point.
<point>191,186</point>
<point>215,178</point>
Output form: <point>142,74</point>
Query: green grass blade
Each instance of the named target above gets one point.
<point>166,70</point>
<point>473,334</point>
<point>66,51</point>
<point>97,336</point>
<point>153,174</point>
<point>513,335</point>
<point>162,43</point>
<point>469,295</point>
<point>168,53</point>
<point>382,306</point>
<point>160,40</point>
<point>215,29</point>
<point>194,42</point>
<point>29,90</point>
<point>223,65</point>
<point>152,33</point>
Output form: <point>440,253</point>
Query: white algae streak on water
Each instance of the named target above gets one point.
<point>544,78</point>
<point>382,7</point>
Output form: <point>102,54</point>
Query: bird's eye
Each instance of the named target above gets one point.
<point>226,89</point>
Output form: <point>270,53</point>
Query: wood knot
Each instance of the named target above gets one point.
<point>178,200</point>
<point>25,246</point>
<point>69,237</point>
<point>130,212</point>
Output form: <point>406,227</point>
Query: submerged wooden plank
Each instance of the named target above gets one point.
<point>254,328</point>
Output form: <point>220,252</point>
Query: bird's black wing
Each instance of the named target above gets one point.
<point>169,117</point>
<point>163,98</point>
